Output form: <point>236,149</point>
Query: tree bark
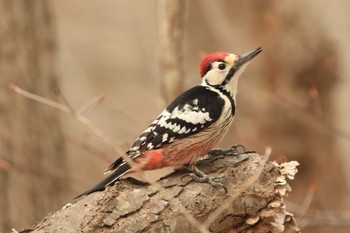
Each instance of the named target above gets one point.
<point>159,207</point>
<point>32,158</point>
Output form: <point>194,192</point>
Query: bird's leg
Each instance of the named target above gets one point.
<point>199,176</point>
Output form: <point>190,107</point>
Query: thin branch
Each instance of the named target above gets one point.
<point>53,104</point>
<point>91,104</point>
<point>70,110</point>
<point>302,211</point>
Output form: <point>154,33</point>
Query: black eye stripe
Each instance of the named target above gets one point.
<point>230,74</point>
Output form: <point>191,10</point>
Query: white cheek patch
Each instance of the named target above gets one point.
<point>215,77</point>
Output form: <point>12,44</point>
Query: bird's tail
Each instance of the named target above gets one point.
<point>109,180</point>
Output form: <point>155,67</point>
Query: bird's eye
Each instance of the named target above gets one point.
<point>222,66</point>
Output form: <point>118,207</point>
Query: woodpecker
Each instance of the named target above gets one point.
<point>191,125</point>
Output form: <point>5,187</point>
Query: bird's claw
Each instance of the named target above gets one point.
<point>199,176</point>
<point>209,180</point>
<point>233,150</point>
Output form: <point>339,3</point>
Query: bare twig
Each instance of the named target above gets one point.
<point>70,110</point>
<point>91,104</point>
<point>37,98</point>
<point>302,211</point>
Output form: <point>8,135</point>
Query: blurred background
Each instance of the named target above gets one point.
<point>293,97</point>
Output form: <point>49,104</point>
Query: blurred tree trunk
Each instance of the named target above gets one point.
<point>171,24</point>
<point>32,154</point>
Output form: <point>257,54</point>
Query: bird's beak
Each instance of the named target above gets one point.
<point>247,56</point>
<point>240,64</point>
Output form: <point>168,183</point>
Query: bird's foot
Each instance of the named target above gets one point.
<point>199,176</point>
<point>233,150</point>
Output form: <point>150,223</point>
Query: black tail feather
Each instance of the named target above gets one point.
<point>109,180</point>
<point>115,164</point>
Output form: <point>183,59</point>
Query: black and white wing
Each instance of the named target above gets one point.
<point>190,113</point>
<point>193,111</point>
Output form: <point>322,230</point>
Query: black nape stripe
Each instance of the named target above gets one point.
<point>223,90</point>
<point>229,96</point>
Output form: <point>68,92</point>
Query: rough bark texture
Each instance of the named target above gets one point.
<point>130,207</point>
<point>32,158</point>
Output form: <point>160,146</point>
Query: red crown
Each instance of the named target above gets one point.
<point>210,58</point>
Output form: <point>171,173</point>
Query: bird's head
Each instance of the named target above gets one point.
<point>219,68</point>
